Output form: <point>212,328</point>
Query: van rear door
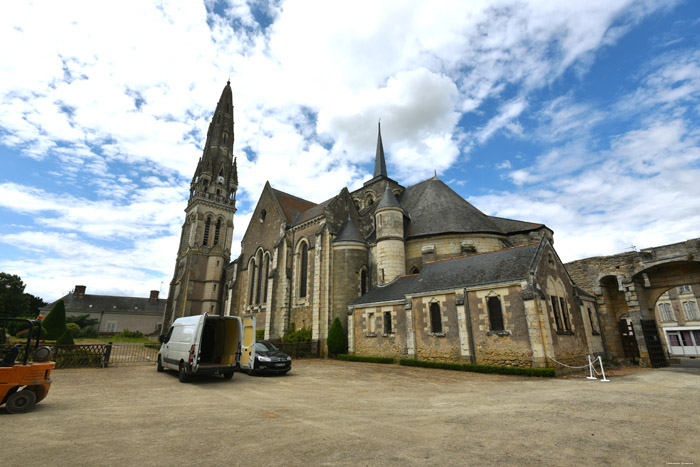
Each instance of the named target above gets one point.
<point>193,351</point>
<point>248,343</point>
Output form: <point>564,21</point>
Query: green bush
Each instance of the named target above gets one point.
<point>299,335</point>
<point>365,358</point>
<point>25,330</point>
<point>55,321</point>
<point>73,328</point>
<point>500,370</point>
<point>127,333</point>
<point>65,339</point>
<point>337,342</point>
<point>3,337</point>
<point>13,327</point>
<point>259,334</point>
<point>89,331</point>
<point>82,320</point>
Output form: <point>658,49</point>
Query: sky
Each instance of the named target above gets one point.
<point>582,115</point>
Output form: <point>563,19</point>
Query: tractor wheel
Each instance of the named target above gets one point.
<point>21,401</point>
<point>159,366</point>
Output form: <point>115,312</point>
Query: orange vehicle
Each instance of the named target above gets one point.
<point>24,383</point>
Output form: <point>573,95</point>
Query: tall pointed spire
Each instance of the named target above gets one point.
<point>379,163</point>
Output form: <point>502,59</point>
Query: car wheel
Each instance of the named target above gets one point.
<point>182,374</point>
<point>21,401</point>
<point>228,374</point>
<point>159,366</point>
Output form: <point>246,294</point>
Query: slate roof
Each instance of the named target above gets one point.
<point>291,205</point>
<point>315,211</point>
<point>466,271</point>
<point>388,200</point>
<point>349,233</point>
<point>111,304</point>
<point>434,208</point>
<point>512,225</point>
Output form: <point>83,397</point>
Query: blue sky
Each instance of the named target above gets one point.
<point>582,115</point>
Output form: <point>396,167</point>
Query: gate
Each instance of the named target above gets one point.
<point>629,341</point>
<point>654,347</point>
<point>131,354</point>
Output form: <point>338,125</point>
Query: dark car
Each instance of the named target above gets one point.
<point>270,359</point>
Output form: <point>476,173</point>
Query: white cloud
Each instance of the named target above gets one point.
<point>119,113</point>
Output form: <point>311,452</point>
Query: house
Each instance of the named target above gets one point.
<point>114,314</point>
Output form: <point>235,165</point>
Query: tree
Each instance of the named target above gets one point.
<point>13,301</point>
<point>55,321</point>
<point>336,341</point>
<point>34,304</point>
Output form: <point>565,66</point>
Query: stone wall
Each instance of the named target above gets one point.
<point>373,339</point>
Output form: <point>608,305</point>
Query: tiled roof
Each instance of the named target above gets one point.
<point>466,271</point>
<point>291,205</point>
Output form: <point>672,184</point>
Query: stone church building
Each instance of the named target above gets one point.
<point>410,271</point>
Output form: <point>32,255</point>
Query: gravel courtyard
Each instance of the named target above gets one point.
<point>330,412</point>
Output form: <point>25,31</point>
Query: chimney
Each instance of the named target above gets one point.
<point>79,291</point>
<point>154,296</point>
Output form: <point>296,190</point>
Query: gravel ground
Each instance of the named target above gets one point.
<point>345,413</point>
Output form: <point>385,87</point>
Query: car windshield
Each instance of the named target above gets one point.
<point>264,346</point>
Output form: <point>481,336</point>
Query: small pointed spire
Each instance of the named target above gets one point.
<point>379,162</point>
<point>235,171</point>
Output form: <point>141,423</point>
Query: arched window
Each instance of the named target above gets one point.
<point>414,270</point>
<point>304,269</point>
<point>266,271</point>
<point>207,226</point>
<point>216,232</point>
<point>435,318</point>
<point>251,279</point>
<point>495,313</point>
<point>258,289</point>
<point>363,281</point>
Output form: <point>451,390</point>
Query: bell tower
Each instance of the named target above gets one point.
<point>207,233</point>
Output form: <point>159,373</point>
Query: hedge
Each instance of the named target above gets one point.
<point>501,370</point>
<point>365,358</point>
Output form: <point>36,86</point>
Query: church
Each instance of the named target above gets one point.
<point>411,271</point>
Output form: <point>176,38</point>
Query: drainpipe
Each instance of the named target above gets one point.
<point>600,327</point>
<point>470,333</point>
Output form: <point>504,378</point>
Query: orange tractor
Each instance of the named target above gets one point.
<point>24,383</point>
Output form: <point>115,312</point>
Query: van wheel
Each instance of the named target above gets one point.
<point>228,374</point>
<point>159,366</point>
<point>182,374</point>
<point>21,401</point>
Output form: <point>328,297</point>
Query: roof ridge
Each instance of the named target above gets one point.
<point>482,253</point>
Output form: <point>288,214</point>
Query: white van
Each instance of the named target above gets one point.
<point>206,344</point>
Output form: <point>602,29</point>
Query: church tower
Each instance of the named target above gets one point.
<point>207,233</point>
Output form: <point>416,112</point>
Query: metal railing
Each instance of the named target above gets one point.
<point>298,349</point>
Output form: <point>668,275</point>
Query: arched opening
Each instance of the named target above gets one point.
<point>207,226</point>
<point>303,269</point>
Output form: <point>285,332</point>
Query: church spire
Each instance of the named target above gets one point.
<point>379,163</point>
